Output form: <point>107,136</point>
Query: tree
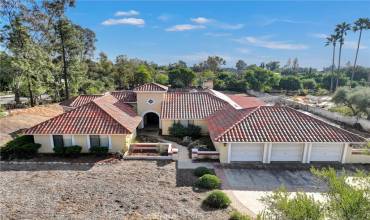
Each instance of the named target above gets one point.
<point>282,204</point>
<point>142,75</point>
<point>357,99</point>
<point>295,65</point>
<point>360,25</point>
<point>341,32</point>
<point>181,77</point>
<point>240,66</point>
<point>273,65</point>
<point>332,40</point>
<point>261,79</point>
<point>290,83</point>
<point>213,63</point>
<point>348,199</point>
<point>309,84</point>
<point>162,79</point>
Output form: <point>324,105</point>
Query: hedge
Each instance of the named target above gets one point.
<point>208,181</point>
<point>217,199</point>
<point>20,147</point>
<point>99,151</point>
<point>179,130</point>
<point>200,171</point>
<point>71,151</point>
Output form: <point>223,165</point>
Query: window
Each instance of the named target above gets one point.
<point>104,141</point>
<point>67,140</point>
<point>184,123</point>
<point>191,122</point>
<point>99,141</point>
<point>94,141</point>
<point>150,101</point>
<point>58,141</point>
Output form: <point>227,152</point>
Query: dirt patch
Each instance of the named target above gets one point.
<point>122,190</point>
<point>20,119</point>
<point>82,158</point>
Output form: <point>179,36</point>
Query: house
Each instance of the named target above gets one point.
<point>242,128</point>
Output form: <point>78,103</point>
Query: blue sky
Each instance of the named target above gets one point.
<point>167,31</point>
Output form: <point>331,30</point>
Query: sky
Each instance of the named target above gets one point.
<point>167,31</point>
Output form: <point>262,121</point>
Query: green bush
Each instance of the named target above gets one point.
<point>178,130</point>
<point>72,151</point>
<point>235,215</point>
<point>208,181</point>
<point>291,83</point>
<point>27,150</point>
<point>217,199</point>
<point>99,151</point>
<point>59,150</point>
<point>200,171</point>
<point>14,147</point>
<point>309,84</point>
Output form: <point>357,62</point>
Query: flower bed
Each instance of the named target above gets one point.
<point>151,151</point>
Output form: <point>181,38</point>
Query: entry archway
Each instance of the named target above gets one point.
<point>151,120</point>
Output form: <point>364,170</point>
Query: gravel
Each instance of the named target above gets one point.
<point>119,190</point>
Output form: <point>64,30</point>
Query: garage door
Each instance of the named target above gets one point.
<point>326,152</point>
<point>287,152</point>
<point>246,152</point>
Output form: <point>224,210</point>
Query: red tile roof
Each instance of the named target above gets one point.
<point>124,95</point>
<point>79,100</point>
<point>273,124</point>
<point>246,101</point>
<point>150,87</point>
<point>190,105</point>
<point>104,115</point>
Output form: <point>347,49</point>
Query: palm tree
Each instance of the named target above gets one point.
<point>341,31</point>
<point>332,40</point>
<point>360,25</point>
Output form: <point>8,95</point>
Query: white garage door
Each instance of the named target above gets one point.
<point>287,152</point>
<point>326,152</point>
<point>246,152</point>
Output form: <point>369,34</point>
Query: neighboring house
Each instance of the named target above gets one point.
<point>242,128</point>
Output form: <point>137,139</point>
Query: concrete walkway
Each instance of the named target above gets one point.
<point>183,159</point>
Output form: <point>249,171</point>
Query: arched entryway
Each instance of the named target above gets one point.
<point>151,120</point>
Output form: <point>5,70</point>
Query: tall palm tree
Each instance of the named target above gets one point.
<point>332,40</point>
<point>341,30</point>
<point>360,25</point>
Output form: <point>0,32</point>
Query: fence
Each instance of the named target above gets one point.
<point>349,120</point>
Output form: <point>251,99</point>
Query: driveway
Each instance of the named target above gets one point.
<point>247,186</point>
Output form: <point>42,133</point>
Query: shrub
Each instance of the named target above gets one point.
<point>193,131</point>
<point>208,181</point>
<point>290,83</point>
<point>217,199</point>
<point>179,130</point>
<point>99,151</point>
<point>235,215</point>
<point>309,84</point>
<point>59,150</point>
<point>72,151</point>
<point>14,147</point>
<point>27,150</point>
<point>200,171</point>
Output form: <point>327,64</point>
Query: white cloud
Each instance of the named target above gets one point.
<point>265,43</point>
<point>353,45</point>
<point>127,13</point>
<point>184,27</point>
<point>320,35</point>
<point>124,21</point>
<point>201,20</point>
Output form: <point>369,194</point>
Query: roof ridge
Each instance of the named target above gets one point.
<point>239,121</point>
<point>106,95</point>
<point>318,120</point>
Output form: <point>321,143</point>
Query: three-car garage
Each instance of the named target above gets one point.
<point>286,152</point>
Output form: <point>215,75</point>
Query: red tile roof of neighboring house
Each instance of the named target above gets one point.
<point>124,95</point>
<point>79,100</point>
<point>150,87</point>
<point>273,124</point>
<point>190,105</point>
<point>246,101</point>
<point>104,115</point>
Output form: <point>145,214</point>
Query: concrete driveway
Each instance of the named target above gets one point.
<point>247,186</point>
